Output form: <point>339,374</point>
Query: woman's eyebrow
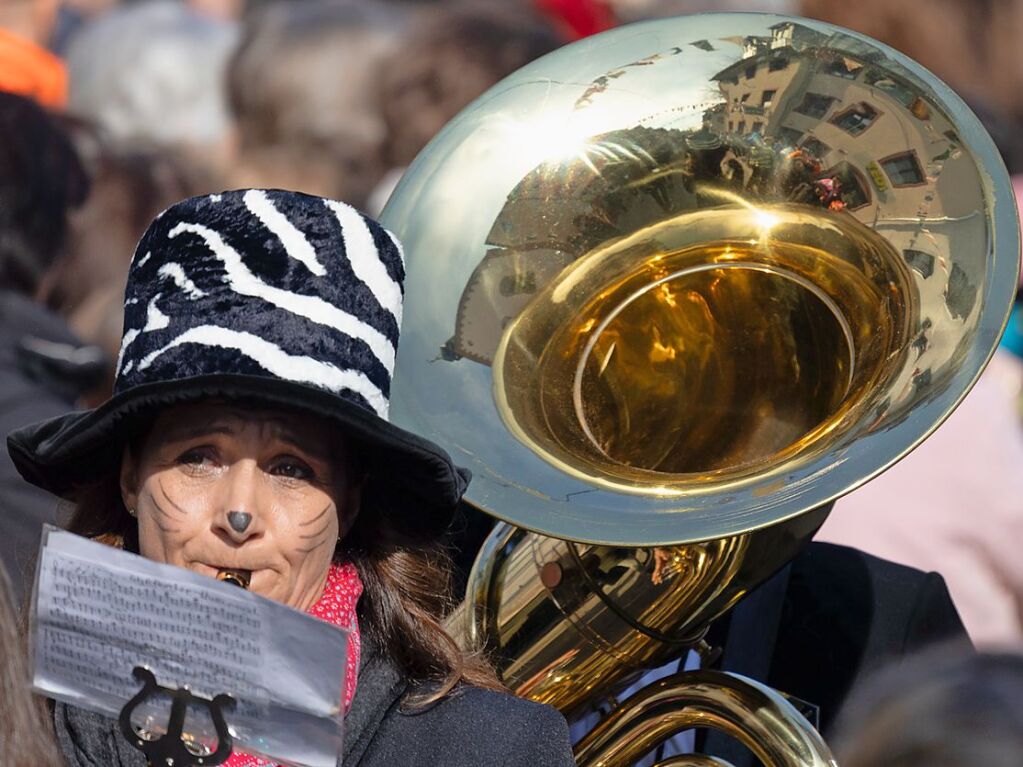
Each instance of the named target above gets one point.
<point>179,433</point>
<point>283,432</point>
<point>310,447</point>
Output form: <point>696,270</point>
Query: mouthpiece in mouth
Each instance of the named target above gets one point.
<point>239,578</point>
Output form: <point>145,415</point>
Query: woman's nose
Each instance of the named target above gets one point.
<point>238,516</point>
<point>239,520</point>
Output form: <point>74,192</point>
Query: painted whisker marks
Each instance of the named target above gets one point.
<point>162,511</point>
<point>181,511</point>
<point>318,533</point>
<point>321,536</point>
<point>318,517</point>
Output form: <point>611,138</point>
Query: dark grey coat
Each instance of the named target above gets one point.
<point>471,728</point>
<point>43,368</point>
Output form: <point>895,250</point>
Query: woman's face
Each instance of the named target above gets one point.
<point>283,474</point>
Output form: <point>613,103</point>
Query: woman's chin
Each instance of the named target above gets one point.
<point>263,583</point>
<point>268,584</point>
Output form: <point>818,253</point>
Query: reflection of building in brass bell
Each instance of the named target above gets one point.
<point>239,520</point>
<point>695,283</point>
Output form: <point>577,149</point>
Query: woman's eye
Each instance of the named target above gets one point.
<point>196,458</point>
<point>292,469</point>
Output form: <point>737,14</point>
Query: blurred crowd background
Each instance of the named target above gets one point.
<point>110,110</point>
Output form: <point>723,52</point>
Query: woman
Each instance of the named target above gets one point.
<point>247,437</point>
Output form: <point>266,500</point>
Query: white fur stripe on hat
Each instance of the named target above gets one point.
<point>265,283</point>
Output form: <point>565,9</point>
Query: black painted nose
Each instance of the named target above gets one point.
<point>239,520</point>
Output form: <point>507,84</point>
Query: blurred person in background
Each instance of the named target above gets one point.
<point>300,88</point>
<point>150,75</point>
<point>147,97</point>
<point>575,19</point>
<point>452,55</point>
<point>128,188</point>
<point>43,366</point>
<point>942,708</point>
<point>638,10</point>
<point>973,45</point>
<point>955,506</point>
<point>147,90</point>
<point>30,20</point>
<point>26,67</point>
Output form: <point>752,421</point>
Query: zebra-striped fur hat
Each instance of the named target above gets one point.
<point>268,296</point>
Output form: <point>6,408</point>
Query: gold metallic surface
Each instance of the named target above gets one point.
<point>613,611</point>
<point>709,272</point>
<point>778,323</point>
<point>693,760</point>
<point>751,712</point>
<point>235,577</point>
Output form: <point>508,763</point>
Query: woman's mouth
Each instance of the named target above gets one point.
<point>235,577</point>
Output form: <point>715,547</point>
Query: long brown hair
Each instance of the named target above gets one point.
<point>406,577</point>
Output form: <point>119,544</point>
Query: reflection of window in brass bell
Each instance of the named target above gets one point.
<point>520,282</point>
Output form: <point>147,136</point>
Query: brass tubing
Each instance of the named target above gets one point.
<point>694,760</point>
<point>566,623</point>
<point>754,714</point>
<point>480,590</point>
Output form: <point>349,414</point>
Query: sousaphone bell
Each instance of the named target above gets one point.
<point>671,290</point>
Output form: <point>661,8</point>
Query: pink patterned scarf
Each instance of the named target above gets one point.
<point>337,605</point>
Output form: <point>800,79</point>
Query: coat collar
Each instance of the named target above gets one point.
<point>380,688</point>
<point>752,631</point>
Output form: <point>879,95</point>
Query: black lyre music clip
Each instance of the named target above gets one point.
<point>173,749</point>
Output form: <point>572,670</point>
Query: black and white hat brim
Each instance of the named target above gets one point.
<point>272,296</point>
<point>412,475</point>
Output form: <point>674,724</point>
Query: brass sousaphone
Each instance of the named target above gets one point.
<point>671,290</point>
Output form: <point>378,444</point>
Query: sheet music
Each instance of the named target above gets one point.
<point>99,612</point>
<point>98,624</point>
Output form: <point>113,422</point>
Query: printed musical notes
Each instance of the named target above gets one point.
<point>98,612</point>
